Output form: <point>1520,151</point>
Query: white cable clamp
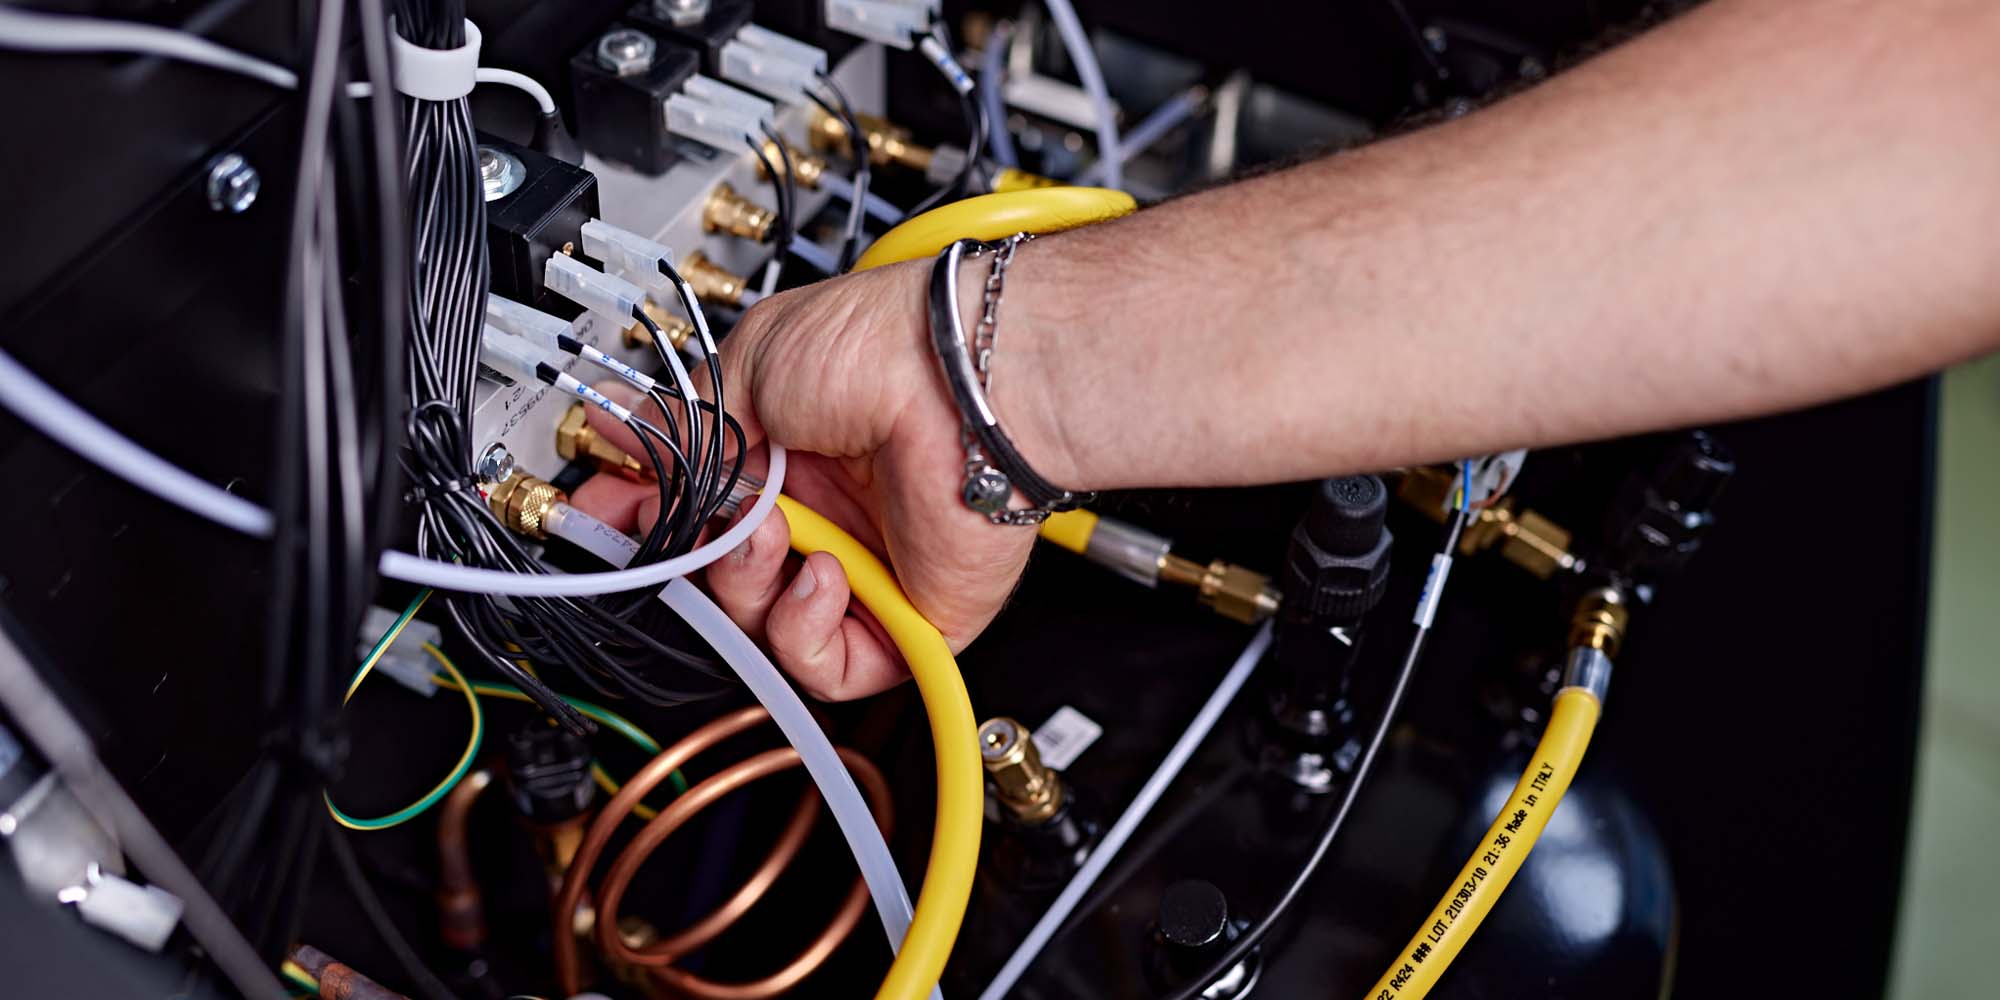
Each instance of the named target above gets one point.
<point>435,74</point>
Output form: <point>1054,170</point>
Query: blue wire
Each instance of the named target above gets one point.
<point>1465,490</point>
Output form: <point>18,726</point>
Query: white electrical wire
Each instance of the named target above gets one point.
<point>836,785</point>
<point>37,32</point>
<point>1151,129</point>
<point>40,406</point>
<point>1077,42</point>
<point>876,206</point>
<point>1128,821</point>
<point>817,257</point>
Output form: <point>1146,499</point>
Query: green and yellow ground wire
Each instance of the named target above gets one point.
<point>451,678</point>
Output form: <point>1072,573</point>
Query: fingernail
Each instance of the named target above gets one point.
<point>738,555</point>
<point>803,587</point>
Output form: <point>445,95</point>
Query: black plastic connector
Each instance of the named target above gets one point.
<point>1337,566</point>
<point>623,117</point>
<point>548,773</point>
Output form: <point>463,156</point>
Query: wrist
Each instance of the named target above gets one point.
<point>1028,392</point>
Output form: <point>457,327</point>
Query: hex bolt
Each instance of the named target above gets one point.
<point>500,173</point>
<point>232,184</point>
<point>496,464</point>
<point>626,52</point>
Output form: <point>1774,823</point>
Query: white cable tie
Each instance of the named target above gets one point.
<point>435,74</point>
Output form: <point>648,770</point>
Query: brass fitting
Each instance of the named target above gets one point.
<point>678,330</point>
<point>1230,590</point>
<point>728,211</point>
<point>1021,782</point>
<point>711,281</point>
<point>808,167</point>
<point>886,143</point>
<point>523,503</point>
<point>575,439</point>
<point>1599,621</point>
<point>1526,539</point>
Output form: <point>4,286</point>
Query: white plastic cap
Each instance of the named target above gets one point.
<point>708,110</point>
<point>527,322</point>
<point>630,256</point>
<point>891,22</point>
<point>771,63</point>
<point>607,295</point>
<point>511,356</point>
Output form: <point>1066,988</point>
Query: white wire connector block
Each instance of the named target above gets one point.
<point>773,64</point>
<point>607,295</point>
<point>630,256</point>
<point>708,110</point>
<point>514,357</point>
<point>895,23</point>
<point>531,324</point>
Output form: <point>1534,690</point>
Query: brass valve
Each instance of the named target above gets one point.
<point>1230,590</point>
<point>808,168</point>
<point>728,211</point>
<point>1021,782</point>
<point>678,330</point>
<point>523,503</point>
<point>575,439</point>
<point>711,281</point>
<point>886,143</point>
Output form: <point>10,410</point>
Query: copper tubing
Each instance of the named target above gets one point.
<point>461,916</point>
<point>338,981</point>
<point>685,807</point>
<point>568,973</point>
<point>753,889</point>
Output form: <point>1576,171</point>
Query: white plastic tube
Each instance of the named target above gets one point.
<point>1128,821</point>
<point>38,32</point>
<point>850,810</point>
<point>40,406</point>
<point>820,258</point>
<point>1077,42</point>
<point>1150,130</point>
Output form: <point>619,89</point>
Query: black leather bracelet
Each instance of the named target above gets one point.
<point>994,467</point>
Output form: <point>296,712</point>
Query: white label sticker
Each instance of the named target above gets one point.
<point>1065,737</point>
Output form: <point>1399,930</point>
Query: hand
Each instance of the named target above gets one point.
<point>842,375</point>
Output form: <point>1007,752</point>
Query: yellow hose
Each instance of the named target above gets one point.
<point>1500,856</point>
<point>961,798</point>
<point>1070,529</point>
<point>994,216</point>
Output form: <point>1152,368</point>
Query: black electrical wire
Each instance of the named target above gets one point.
<point>779,187</point>
<point>385,927</point>
<point>961,184</point>
<point>850,243</point>
<point>1256,933</point>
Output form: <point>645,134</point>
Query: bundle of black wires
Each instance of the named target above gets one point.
<point>608,642</point>
<point>334,476</point>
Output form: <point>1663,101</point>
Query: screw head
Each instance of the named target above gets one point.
<point>500,173</point>
<point>626,51</point>
<point>496,464</point>
<point>232,184</point>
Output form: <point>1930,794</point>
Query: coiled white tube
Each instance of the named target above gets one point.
<point>850,810</point>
